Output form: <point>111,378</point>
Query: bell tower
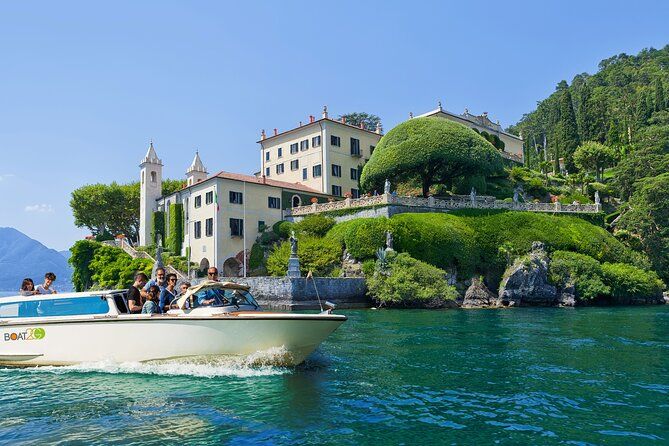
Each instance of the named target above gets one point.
<point>196,172</point>
<point>150,189</point>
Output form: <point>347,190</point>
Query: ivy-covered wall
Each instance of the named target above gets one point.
<point>158,228</point>
<point>176,230</point>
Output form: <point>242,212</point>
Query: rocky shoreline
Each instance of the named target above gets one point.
<point>526,283</point>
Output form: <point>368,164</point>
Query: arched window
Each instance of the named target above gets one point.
<point>153,177</point>
<point>142,177</point>
<point>297,201</point>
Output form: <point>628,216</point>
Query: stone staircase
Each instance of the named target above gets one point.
<point>125,245</point>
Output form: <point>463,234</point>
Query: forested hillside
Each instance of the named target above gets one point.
<point>612,131</point>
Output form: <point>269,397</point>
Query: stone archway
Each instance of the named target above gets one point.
<point>231,267</point>
<point>204,264</point>
<point>296,201</point>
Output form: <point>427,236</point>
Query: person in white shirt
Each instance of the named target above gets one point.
<point>45,288</point>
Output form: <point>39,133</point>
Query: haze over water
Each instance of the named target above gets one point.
<point>522,376</point>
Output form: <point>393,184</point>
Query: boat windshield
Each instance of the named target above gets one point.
<point>76,306</point>
<point>221,297</point>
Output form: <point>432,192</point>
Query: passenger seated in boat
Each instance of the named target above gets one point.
<point>183,288</point>
<point>159,280</point>
<point>27,287</point>
<point>168,294</point>
<point>135,300</point>
<point>45,288</point>
<point>212,274</point>
<point>151,304</point>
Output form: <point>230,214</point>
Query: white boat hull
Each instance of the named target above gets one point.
<point>130,338</point>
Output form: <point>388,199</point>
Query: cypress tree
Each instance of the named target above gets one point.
<point>642,112</point>
<point>582,113</point>
<point>659,95</point>
<point>566,132</point>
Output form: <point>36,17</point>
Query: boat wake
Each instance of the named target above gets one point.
<point>262,363</point>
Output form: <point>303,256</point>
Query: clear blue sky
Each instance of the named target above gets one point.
<point>84,86</point>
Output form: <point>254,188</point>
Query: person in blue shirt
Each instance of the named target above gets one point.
<point>159,281</point>
<point>168,294</point>
<point>151,304</point>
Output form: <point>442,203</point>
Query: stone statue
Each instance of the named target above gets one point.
<point>597,197</point>
<point>386,187</point>
<point>515,195</point>
<point>293,244</point>
<point>389,241</point>
<point>159,256</point>
<point>472,195</point>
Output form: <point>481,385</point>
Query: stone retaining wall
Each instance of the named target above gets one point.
<point>284,293</point>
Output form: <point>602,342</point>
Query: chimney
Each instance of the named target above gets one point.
<point>262,135</point>
<point>343,119</point>
<point>362,125</point>
<point>379,128</point>
<point>263,178</point>
<point>276,132</point>
<point>311,119</point>
<point>325,111</point>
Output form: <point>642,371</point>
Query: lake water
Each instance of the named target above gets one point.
<point>520,376</point>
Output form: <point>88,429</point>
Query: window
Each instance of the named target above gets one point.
<point>267,156</point>
<point>355,193</point>
<point>198,201</point>
<point>304,145</point>
<point>54,307</point>
<point>316,171</point>
<point>274,202</point>
<point>209,198</point>
<point>335,140</point>
<point>294,164</point>
<point>371,149</point>
<point>236,198</point>
<point>209,227</point>
<point>336,190</point>
<point>236,227</point>
<point>316,141</point>
<point>355,147</point>
<point>354,173</point>
<point>293,148</point>
<point>153,177</point>
<point>261,225</point>
<point>336,170</point>
<point>304,173</point>
<point>279,152</point>
<point>279,168</point>
<point>198,229</point>
<point>266,171</point>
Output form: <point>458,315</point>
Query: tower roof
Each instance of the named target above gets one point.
<point>196,165</point>
<point>151,156</point>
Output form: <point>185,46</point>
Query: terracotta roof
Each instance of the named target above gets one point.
<point>266,181</point>
<point>373,132</point>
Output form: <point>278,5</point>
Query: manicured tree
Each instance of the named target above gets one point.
<point>176,228</point>
<point>566,132</point>
<point>432,151</point>
<point>592,156</point>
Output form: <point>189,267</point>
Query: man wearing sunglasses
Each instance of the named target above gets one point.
<point>168,294</point>
<point>212,274</point>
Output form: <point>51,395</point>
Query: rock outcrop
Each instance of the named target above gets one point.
<point>526,281</point>
<point>479,296</point>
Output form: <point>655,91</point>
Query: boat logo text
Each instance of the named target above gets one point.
<point>30,334</point>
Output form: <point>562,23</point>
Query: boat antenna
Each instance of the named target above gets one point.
<point>311,276</point>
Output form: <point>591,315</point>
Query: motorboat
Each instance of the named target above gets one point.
<point>210,319</point>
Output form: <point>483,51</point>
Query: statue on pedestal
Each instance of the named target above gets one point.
<point>472,195</point>
<point>293,244</point>
<point>597,201</point>
<point>159,256</point>
<point>389,241</point>
<point>386,187</point>
<point>515,195</point>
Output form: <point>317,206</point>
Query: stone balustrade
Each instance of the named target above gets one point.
<point>453,202</point>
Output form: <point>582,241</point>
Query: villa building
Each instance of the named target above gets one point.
<point>221,214</point>
<point>325,154</point>
<point>513,145</point>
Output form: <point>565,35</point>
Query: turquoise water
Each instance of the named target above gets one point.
<point>521,376</point>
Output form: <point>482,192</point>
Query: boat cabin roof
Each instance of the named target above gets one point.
<point>209,284</point>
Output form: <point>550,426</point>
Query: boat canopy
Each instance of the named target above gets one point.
<point>209,284</point>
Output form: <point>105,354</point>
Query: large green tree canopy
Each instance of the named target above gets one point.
<point>431,151</point>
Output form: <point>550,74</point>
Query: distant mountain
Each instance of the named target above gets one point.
<point>21,257</point>
<point>65,254</point>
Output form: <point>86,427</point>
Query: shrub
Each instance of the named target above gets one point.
<point>368,267</point>
<point>282,228</point>
<point>113,268</point>
<point>82,254</point>
<point>628,282</point>
<point>580,270</point>
<point>361,237</point>
<point>441,240</point>
<point>176,228</point>
<point>267,238</point>
<point>316,225</point>
<point>257,256</point>
<point>410,282</point>
<point>158,228</point>
<point>320,255</point>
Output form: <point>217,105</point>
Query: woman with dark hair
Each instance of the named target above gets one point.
<point>27,287</point>
<point>151,304</point>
